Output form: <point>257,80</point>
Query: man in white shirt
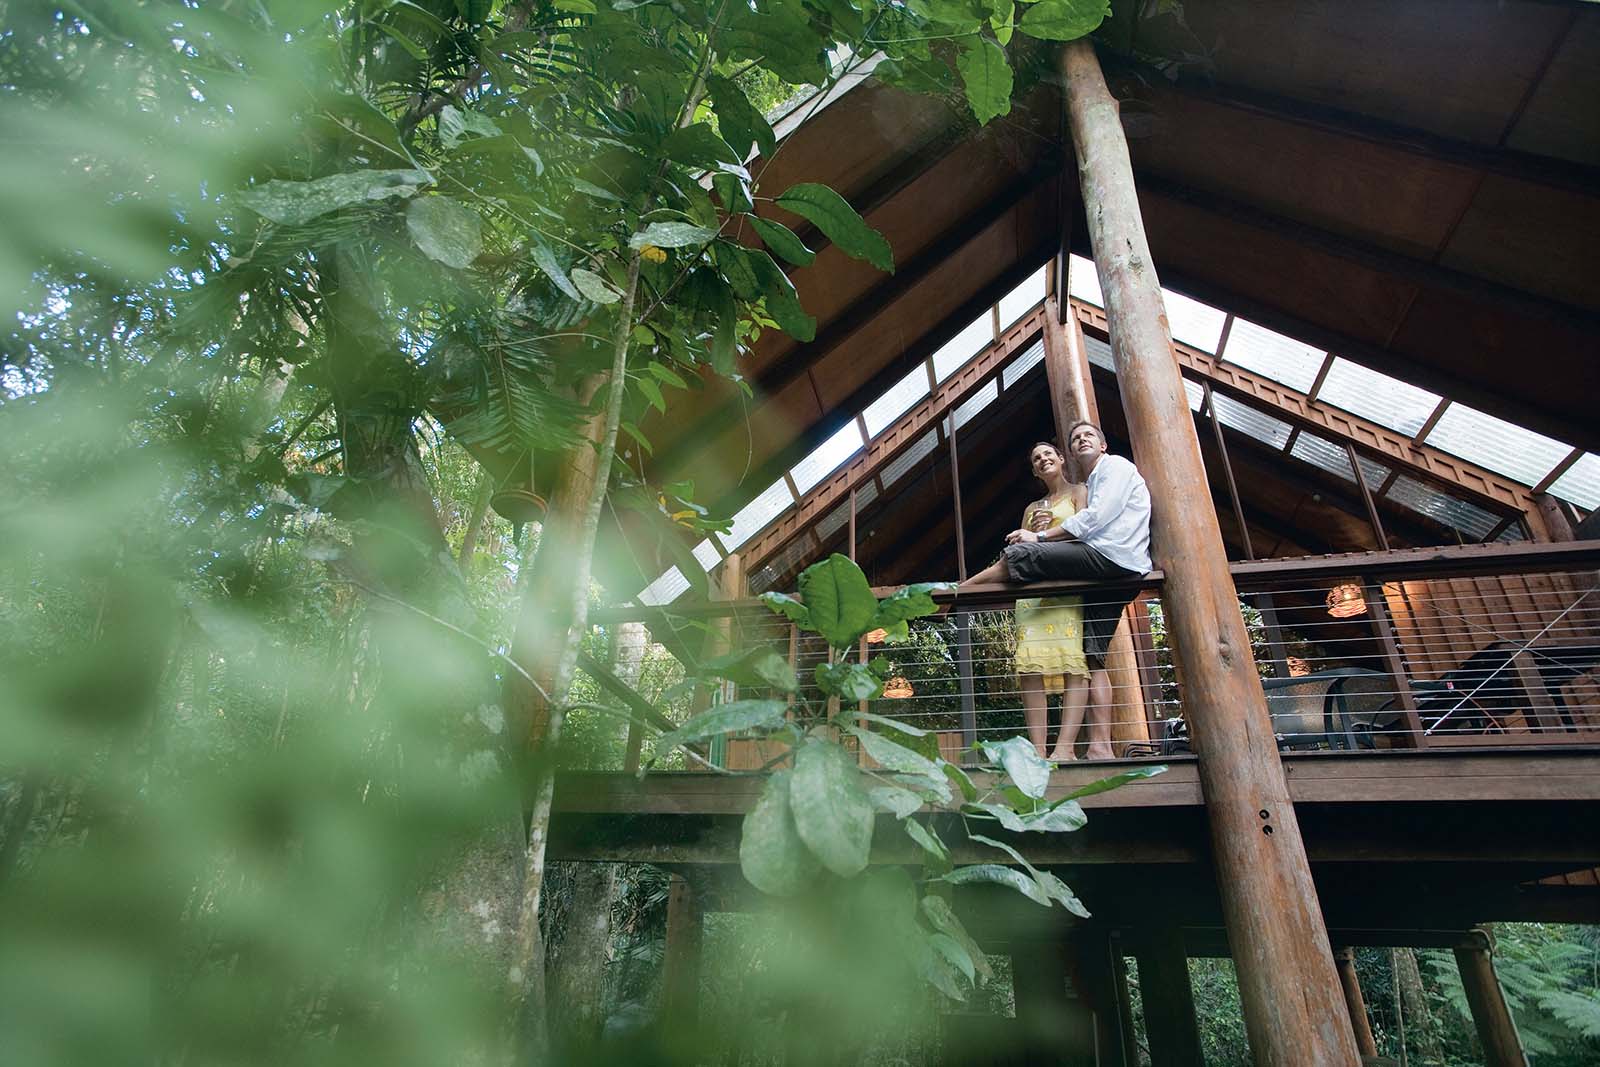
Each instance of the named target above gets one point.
<point>1109,540</point>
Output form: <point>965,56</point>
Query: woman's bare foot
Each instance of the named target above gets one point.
<point>1062,757</point>
<point>1101,751</point>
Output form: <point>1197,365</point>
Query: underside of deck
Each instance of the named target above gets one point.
<point>1406,848</point>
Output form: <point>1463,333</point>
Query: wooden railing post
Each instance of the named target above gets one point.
<point>1294,1008</point>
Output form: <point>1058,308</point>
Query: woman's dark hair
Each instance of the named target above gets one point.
<point>1047,444</point>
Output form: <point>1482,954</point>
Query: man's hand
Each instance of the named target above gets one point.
<point>1021,537</point>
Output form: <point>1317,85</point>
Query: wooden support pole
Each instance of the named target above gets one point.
<point>1227,470</point>
<point>1293,1005</point>
<point>1345,960</point>
<point>1366,497</point>
<point>1383,626</point>
<point>1093,978</point>
<point>955,500</point>
<point>1553,523</point>
<point>1497,1031</point>
<point>1066,369</point>
<point>1169,1021</point>
<point>1053,1028</point>
<point>680,976</point>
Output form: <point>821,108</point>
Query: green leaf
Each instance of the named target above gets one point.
<point>942,918</point>
<point>1022,763</point>
<point>419,53</point>
<point>725,335</point>
<point>672,235</point>
<point>733,192</point>
<point>962,780</point>
<point>782,240</point>
<point>576,7</point>
<point>1007,816</point>
<point>839,600</point>
<point>652,393</point>
<point>831,810</point>
<point>789,608</point>
<point>894,756</point>
<point>546,261</point>
<point>848,681</point>
<point>771,854</point>
<point>1051,886</point>
<point>738,271</point>
<point>986,76</point>
<point>455,125</point>
<point>741,124</point>
<point>589,188</point>
<point>724,719</point>
<point>1064,20</point>
<point>909,602</point>
<point>932,789</point>
<point>1116,780</point>
<point>633,431</point>
<point>595,288</point>
<point>956,954</point>
<point>928,840</point>
<point>445,230</point>
<point>896,801</point>
<point>782,302</point>
<point>1063,818</point>
<point>698,146</point>
<point>665,374</point>
<point>754,666</point>
<point>297,203</point>
<point>994,872</point>
<point>893,724</point>
<point>834,216</point>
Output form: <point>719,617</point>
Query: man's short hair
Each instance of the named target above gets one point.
<point>1085,422</point>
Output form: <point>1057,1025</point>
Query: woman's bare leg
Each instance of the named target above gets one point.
<point>1099,716</point>
<point>1074,698</point>
<point>1035,709</point>
<point>994,574</point>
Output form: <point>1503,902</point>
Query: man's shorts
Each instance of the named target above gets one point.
<point>1055,561</point>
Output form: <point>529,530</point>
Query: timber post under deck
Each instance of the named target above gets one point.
<point>1293,1004</point>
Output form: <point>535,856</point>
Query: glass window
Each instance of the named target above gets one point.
<point>963,346</point>
<point>825,459</point>
<point>665,589</point>
<point>1195,324</point>
<point>1082,281</point>
<point>1021,365</point>
<point>1247,420</point>
<point>1023,299</point>
<point>1581,483</point>
<point>977,402</point>
<point>1376,396</point>
<point>882,412</point>
<point>1501,446</point>
<point>754,516</point>
<point>1283,359</point>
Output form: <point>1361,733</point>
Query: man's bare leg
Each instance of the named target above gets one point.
<point>1074,698</point>
<point>1035,709</point>
<point>1099,715</point>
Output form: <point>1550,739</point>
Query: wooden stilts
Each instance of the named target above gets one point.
<point>1345,960</point>
<point>1169,1020</point>
<point>1497,1031</point>
<point>1094,983</point>
<point>1293,1006</point>
<point>1053,1028</point>
<point>680,976</point>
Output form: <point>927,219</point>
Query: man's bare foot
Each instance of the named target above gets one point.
<point>1062,757</point>
<point>1099,752</point>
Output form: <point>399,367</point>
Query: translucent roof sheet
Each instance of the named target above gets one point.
<point>963,346</point>
<point>826,457</point>
<point>977,402</point>
<point>1376,396</point>
<point>833,521</point>
<point>665,589</point>
<point>1581,483</point>
<point>882,412</point>
<point>706,553</point>
<point>1083,283</point>
<point>908,459</point>
<point>1195,324</point>
<point>1249,421</point>
<point>1099,353</point>
<point>1022,299</point>
<point>1473,522</point>
<point>755,515</point>
<point>1323,454</point>
<point>1195,392</point>
<point>1021,365</point>
<point>1283,359</point>
<point>1501,446</point>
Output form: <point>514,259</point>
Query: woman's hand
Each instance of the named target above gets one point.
<point>1021,537</point>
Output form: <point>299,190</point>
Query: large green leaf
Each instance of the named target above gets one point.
<point>672,235</point>
<point>839,600</point>
<point>456,125</point>
<point>994,872</point>
<point>894,800</point>
<point>942,918</point>
<point>771,854</point>
<point>297,203</point>
<point>789,608</point>
<point>741,124</point>
<point>724,719</point>
<point>1006,816</point>
<point>733,191</point>
<point>848,681</point>
<point>783,304</point>
<point>986,76</point>
<point>894,756</point>
<point>834,216</point>
<point>910,602</point>
<point>753,666</point>
<point>1113,782</point>
<point>782,240</point>
<point>1022,763</point>
<point>546,261</point>
<point>894,724</point>
<point>1064,20</point>
<point>927,839</point>
<point>736,268</point>
<point>831,809</point>
<point>594,287</point>
<point>445,230</point>
<point>1051,886</point>
<point>698,146</point>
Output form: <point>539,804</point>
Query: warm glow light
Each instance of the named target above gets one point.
<point>897,688</point>
<point>1298,668</point>
<point>1346,600</point>
<point>876,637</point>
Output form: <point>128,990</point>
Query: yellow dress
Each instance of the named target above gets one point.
<point>1050,631</point>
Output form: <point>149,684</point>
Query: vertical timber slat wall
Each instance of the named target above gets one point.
<point>1293,1004</point>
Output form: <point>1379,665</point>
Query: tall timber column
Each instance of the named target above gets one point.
<point>1293,1005</point>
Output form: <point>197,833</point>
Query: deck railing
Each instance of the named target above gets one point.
<point>1476,646</point>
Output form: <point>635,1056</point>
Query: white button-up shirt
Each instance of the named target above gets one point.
<point>1116,520</point>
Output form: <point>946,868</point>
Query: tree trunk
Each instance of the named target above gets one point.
<point>475,521</point>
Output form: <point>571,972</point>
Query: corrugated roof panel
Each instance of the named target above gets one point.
<point>1501,446</point>
<point>1283,359</point>
<point>1082,281</point>
<point>1374,395</point>
<point>963,346</point>
<point>1195,392</point>
<point>1023,299</point>
<point>754,516</point>
<point>899,398</point>
<point>1021,365</point>
<point>1099,353</point>
<point>977,402</point>
<point>1581,483</point>
<point>909,458</point>
<point>705,553</point>
<point>1195,324</point>
<point>1474,522</point>
<point>1247,420</point>
<point>826,457</point>
<point>1323,454</point>
<point>665,589</point>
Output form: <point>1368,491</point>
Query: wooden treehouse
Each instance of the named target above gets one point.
<point>1357,365</point>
